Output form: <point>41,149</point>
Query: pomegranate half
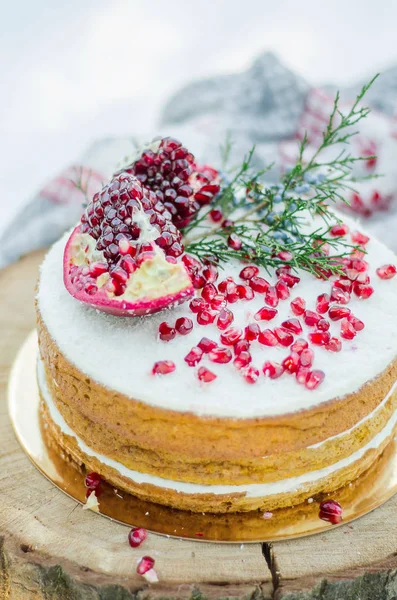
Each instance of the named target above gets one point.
<point>122,257</point>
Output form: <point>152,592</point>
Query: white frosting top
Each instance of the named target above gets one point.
<point>119,352</point>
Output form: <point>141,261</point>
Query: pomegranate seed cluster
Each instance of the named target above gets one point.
<point>233,344</point>
<point>178,183</point>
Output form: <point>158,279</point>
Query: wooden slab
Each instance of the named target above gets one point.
<point>51,549</point>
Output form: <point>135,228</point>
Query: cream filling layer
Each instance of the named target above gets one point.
<point>250,490</point>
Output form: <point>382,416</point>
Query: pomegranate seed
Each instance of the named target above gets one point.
<point>92,481</point>
<point>285,255</point>
<point>292,325</point>
<point>231,336</point>
<point>314,379</point>
<point>322,304</point>
<point>251,374</point>
<point>323,325</point>
<point>363,291</point>
<point>198,281</point>
<point>220,355</point>
<point>386,272</point>
<point>265,314</point>
<point>289,279</point>
<point>205,375</point>
<point>137,536</point>
<point>362,278</point>
<point>259,284</point>
<point>197,305</point>
<point>291,363</point>
<point>225,318</point>
<point>357,323</point>
<point>206,316</point>
<point>302,375</point>
<point>227,223</point>
<point>360,265</point>
<point>283,269</point>
<point>284,337</point>
<point>234,242</point>
<point>163,367</point>
<point>357,254</point>
<point>206,345</point>
<point>166,332</point>
<point>252,331</point>
<point>298,306</point>
<point>338,295</point>
<point>97,269</point>
<point>216,215</point>
<point>299,346</point>
<point>359,238</point>
<point>184,325</point>
<point>320,338</point>
<point>249,272</point>
<point>272,369</point>
<point>218,302</point>
<point>241,346</point>
<point>271,297</point>
<point>338,312</point>
<point>194,356</point>
<point>267,338</point>
<point>242,360</point>
<point>192,264</point>
<point>334,345</point>
<point>307,357</point>
<point>331,511</point>
<point>344,284</point>
<point>208,292</point>
<point>210,274</point>
<point>282,290</point>
<point>347,330</point>
<point>339,229</point>
<point>145,564</point>
<point>311,318</point>
<point>245,293</point>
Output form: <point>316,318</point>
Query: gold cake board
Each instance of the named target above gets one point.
<point>363,495</point>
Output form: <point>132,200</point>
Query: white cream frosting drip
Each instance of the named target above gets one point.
<point>251,490</point>
<point>119,352</point>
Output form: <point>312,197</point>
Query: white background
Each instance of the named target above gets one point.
<point>77,70</point>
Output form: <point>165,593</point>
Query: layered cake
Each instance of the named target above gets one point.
<point>205,385</point>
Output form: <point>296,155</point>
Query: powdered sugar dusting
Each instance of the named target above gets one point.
<point>120,352</point>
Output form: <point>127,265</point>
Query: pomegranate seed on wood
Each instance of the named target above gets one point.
<point>205,375</point>
<point>299,346</point>
<point>386,272</point>
<point>163,367</point>
<point>231,336</point>
<point>338,312</point>
<point>334,345</point>
<point>206,345</point>
<point>267,338</point>
<point>314,379</point>
<point>284,337</point>
<point>194,356</point>
<point>242,360</point>
<point>319,338</point>
<point>197,305</point>
<point>137,536</point>
<point>184,325</point>
<point>252,331</point>
<point>363,291</point>
<point>347,330</point>
<point>249,272</point>
<point>265,314</point>
<point>206,317</point>
<point>339,229</point>
<point>241,346</point>
<point>220,355</point>
<point>251,374</point>
<point>331,511</point>
<point>292,325</point>
<point>166,332</point>
<point>322,304</point>
<point>291,363</point>
<point>282,290</point>
<point>272,369</point>
<point>259,284</point>
<point>144,565</point>
<point>225,318</point>
<point>298,306</point>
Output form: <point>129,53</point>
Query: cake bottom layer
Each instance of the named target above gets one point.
<point>210,498</point>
